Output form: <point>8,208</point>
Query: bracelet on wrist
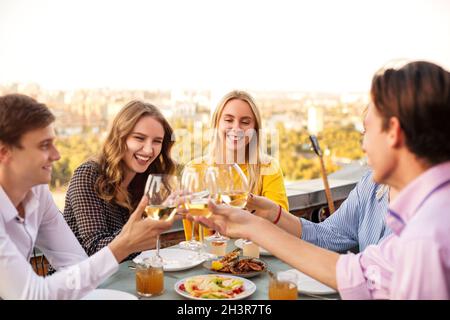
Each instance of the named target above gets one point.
<point>278,215</point>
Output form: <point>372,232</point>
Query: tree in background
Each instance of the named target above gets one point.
<point>295,155</point>
<point>74,150</point>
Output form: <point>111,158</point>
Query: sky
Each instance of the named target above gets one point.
<point>326,46</point>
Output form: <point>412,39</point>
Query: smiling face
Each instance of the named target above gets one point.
<point>236,124</point>
<point>143,144</point>
<point>32,162</point>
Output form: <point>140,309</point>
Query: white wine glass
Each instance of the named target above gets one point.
<point>161,190</point>
<point>236,189</point>
<point>217,179</point>
<point>196,202</point>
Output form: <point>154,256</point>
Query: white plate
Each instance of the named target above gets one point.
<point>249,287</point>
<point>308,285</point>
<point>174,259</point>
<point>240,244</point>
<point>109,294</point>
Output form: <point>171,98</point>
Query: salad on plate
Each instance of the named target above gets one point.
<point>213,287</point>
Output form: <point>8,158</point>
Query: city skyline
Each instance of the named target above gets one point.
<point>322,46</point>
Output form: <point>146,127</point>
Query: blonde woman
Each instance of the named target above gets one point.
<point>237,138</point>
<point>103,192</point>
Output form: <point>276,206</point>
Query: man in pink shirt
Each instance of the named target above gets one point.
<point>407,141</point>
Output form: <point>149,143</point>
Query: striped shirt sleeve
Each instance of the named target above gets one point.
<point>340,232</point>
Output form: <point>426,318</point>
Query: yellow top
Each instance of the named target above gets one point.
<point>271,186</point>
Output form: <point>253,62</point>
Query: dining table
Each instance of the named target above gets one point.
<point>125,280</point>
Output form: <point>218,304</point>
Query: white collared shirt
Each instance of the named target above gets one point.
<point>45,228</point>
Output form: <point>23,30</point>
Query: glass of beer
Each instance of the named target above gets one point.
<point>283,286</point>
<point>149,278</point>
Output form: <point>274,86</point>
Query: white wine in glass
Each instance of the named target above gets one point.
<point>196,202</point>
<point>161,190</point>
<point>160,212</point>
<point>235,186</point>
<point>199,208</point>
<point>237,199</point>
<point>228,185</point>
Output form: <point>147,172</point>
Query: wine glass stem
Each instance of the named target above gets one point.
<point>193,231</point>
<point>158,245</point>
<point>200,233</point>
<point>200,239</point>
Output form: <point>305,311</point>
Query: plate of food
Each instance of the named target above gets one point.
<point>173,259</point>
<point>237,265</point>
<point>211,286</point>
<point>240,244</point>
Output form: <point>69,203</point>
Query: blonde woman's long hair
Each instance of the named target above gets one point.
<point>110,160</point>
<point>253,150</point>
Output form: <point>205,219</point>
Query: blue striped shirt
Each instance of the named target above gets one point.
<point>359,221</point>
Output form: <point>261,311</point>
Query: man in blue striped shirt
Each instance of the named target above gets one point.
<point>359,221</point>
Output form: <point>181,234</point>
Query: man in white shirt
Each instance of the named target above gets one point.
<point>29,217</point>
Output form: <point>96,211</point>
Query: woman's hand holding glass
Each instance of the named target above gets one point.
<point>262,207</point>
<point>138,234</point>
<point>232,222</point>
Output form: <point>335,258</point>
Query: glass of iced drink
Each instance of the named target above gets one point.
<point>283,286</point>
<point>149,278</point>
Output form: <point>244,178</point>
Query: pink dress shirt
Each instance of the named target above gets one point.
<point>414,261</point>
<point>45,228</point>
